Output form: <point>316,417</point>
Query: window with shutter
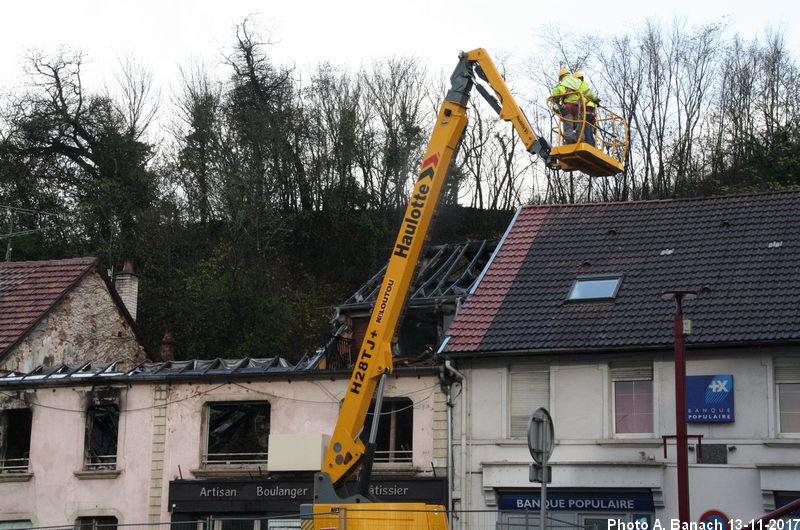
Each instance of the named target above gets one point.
<point>529,387</point>
<point>787,381</point>
<point>633,397</point>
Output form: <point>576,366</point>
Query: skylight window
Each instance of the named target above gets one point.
<point>595,287</point>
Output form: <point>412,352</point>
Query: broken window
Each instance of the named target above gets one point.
<point>102,425</point>
<point>15,440</point>
<point>103,522</point>
<point>394,442</point>
<point>238,433</point>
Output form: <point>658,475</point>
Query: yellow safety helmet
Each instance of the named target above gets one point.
<point>578,75</point>
<point>563,72</point>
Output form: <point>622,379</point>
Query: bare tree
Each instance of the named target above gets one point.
<point>395,95</point>
<point>139,99</point>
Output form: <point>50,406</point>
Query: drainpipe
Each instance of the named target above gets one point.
<point>447,387</point>
<point>450,462</point>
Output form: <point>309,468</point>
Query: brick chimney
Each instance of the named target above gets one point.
<point>127,285</point>
<point>167,350</point>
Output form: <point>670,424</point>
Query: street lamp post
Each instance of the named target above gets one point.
<point>681,438</point>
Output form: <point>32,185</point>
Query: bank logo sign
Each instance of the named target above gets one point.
<point>709,399</point>
<point>579,502</point>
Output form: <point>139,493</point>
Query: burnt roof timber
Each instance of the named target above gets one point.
<point>437,274</point>
<point>441,272</point>
<point>196,378</point>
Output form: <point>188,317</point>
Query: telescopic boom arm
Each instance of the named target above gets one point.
<point>346,451</point>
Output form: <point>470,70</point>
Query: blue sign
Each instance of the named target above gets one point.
<point>578,501</point>
<point>709,399</point>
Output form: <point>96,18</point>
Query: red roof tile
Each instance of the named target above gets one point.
<point>29,289</point>
<point>469,329</point>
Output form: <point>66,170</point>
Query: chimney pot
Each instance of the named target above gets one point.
<point>127,285</point>
<point>168,347</point>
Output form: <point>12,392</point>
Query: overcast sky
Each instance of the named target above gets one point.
<point>165,34</point>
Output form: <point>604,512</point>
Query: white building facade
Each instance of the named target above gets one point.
<point>569,316</point>
<point>188,441</point>
<point>600,468</point>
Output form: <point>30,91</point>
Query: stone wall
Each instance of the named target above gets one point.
<point>85,326</point>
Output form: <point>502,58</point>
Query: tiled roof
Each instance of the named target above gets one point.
<point>29,289</point>
<point>745,250</point>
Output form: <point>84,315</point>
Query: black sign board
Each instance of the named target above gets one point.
<point>284,496</point>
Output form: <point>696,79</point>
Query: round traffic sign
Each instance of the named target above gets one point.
<point>714,519</point>
<point>540,435</point>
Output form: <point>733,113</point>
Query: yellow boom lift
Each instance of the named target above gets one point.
<point>335,506</point>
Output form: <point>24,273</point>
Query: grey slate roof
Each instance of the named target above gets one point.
<point>743,251</point>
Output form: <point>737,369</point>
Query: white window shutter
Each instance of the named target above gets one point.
<point>632,371</point>
<point>530,389</point>
<point>787,369</point>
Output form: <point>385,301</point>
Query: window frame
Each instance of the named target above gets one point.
<point>790,376</point>
<point>207,463</point>
<point>25,461</point>
<point>391,416</point>
<point>5,524</point>
<point>81,522</point>
<point>100,465</point>
<point>618,276</point>
<point>539,368</point>
<point>613,380</point>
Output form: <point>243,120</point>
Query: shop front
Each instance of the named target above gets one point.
<point>589,509</point>
<point>257,504</point>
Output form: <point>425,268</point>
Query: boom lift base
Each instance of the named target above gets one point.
<point>372,516</point>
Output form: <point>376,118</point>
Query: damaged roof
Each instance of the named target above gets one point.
<point>93,373</point>
<point>30,289</point>
<point>741,252</point>
<point>445,273</point>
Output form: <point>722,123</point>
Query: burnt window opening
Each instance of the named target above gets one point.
<point>418,336</point>
<point>103,522</point>
<point>102,427</point>
<point>395,440</point>
<point>419,333</point>
<point>15,440</point>
<point>238,433</point>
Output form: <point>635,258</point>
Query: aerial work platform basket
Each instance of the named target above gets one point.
<point>597,147</point>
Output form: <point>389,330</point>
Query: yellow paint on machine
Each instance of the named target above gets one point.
<point>385,515</point>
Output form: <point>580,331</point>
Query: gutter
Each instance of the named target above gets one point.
<point>694,346</point>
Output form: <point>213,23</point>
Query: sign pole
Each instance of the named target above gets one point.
<point>681,437</point>
<point>543,498</point>
<point>540,444</point>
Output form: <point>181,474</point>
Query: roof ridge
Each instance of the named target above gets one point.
<point>656,201</point>
<point>88,260</point>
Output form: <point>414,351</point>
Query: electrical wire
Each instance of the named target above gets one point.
<point>139,409</point>
<point>202,393</point>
